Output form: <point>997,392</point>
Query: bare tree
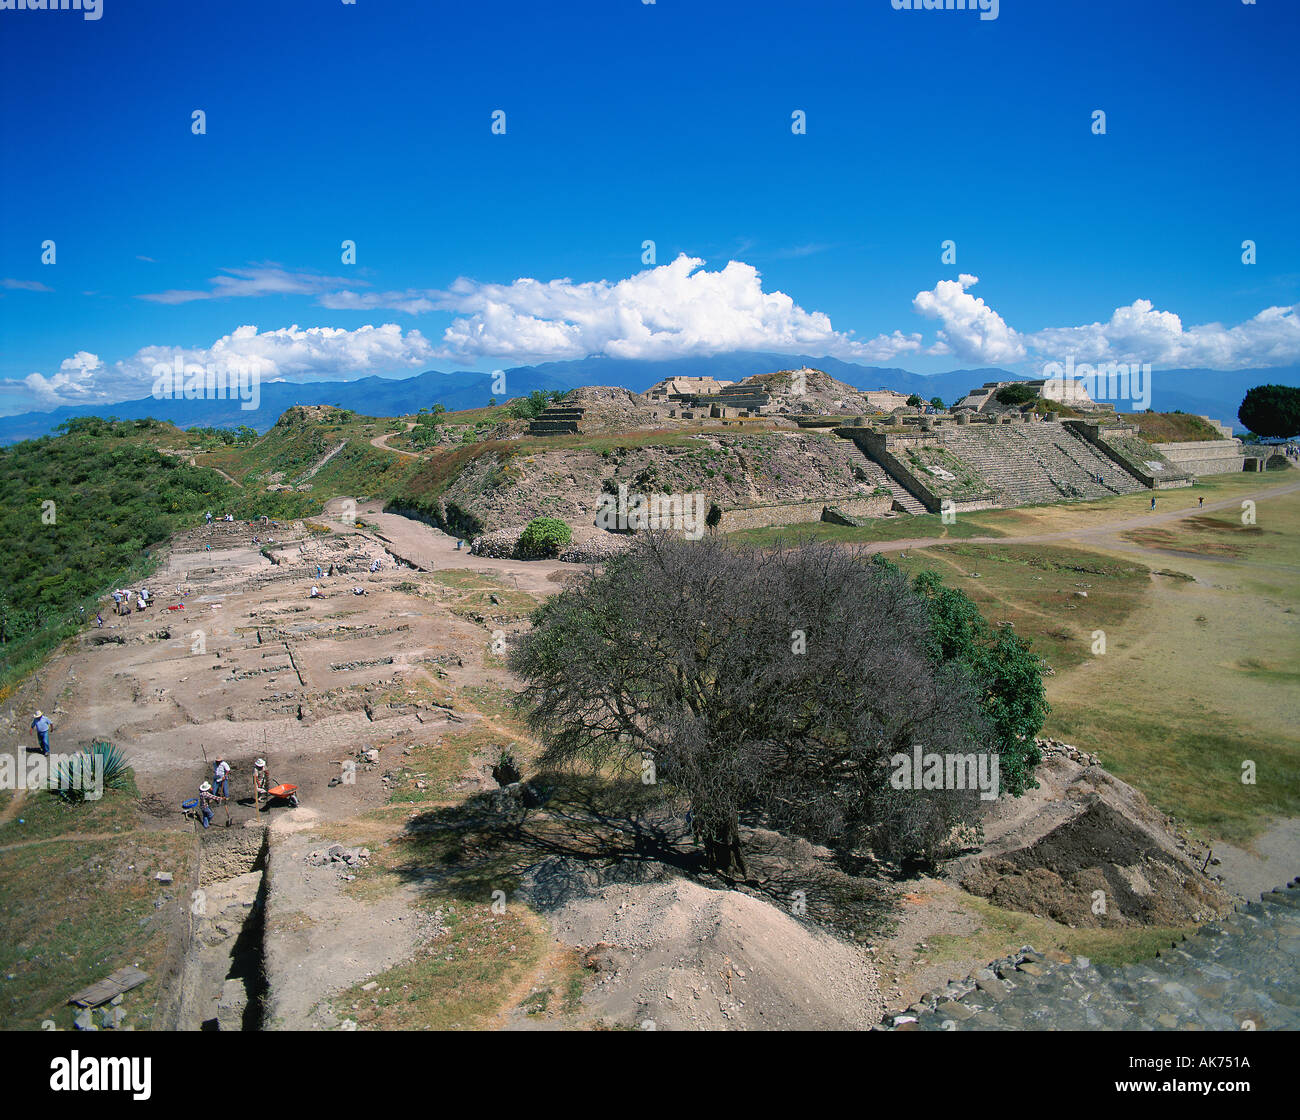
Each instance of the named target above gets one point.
<point>776,682</point>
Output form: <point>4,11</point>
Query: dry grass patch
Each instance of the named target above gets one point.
<point>107,916</point>
<point>461,980</point>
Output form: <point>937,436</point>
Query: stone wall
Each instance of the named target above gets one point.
<point>876,446</point>
<point>1112,442</point>
<point>1204,456</point>
<point>798,513</point>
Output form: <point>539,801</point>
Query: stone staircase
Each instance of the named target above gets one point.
<point>1026,464</point>
<point>557,420</point>
<point>1238,973</point>
<point>878,476</point>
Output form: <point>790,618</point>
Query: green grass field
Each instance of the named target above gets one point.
<point>98,868</point>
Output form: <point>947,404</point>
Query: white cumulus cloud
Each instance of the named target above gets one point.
<point>287,353</point>
<point>1140,333</point>
<point>673,310</point>
<point>971,329</point>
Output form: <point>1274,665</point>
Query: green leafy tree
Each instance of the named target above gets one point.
<point>936,403</point>
<point>1014,396</point>
<point>1007,673</point>
<point>779,683</point>
<point>915,401</point>
<point>1271,411</point>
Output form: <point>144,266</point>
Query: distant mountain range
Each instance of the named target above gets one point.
<point>1215,393</point>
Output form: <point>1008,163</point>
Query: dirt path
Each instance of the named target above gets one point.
<point>66,838</point>
<point>232,481</point>
<point>10,811</point>
<point>432,550</point>
<point>382,442</point>
<point>323,460</point>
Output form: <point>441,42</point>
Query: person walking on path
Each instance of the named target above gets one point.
<point>41,726</point>
<point>1153,501</point>
<point>1200,502</point>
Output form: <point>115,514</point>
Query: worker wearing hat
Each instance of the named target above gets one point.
<point>41,726</point>
<point>261,780</point>
<point>206,800</point>
<point>220,774</point>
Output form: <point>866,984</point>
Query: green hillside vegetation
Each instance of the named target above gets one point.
<point>1171,427</point>
<point>300,439</point>
<point>80,512</point>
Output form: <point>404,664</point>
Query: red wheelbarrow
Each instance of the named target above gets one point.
<point>284,792</point>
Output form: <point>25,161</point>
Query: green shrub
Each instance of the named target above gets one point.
<point>544,536</point>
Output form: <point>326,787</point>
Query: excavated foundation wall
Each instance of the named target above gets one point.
<point>222,983</point>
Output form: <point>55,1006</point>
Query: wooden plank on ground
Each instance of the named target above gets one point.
<point>120,982</point>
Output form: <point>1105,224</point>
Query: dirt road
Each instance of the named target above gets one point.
<point>382,443</point>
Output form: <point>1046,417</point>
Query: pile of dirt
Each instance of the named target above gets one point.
<point>672,954</point>
<point>1099,868</point>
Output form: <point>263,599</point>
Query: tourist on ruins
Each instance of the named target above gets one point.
<point>41,726</point>
<point>208,515</point>
<point>1200,502</point>
<point>220,777</point>
<point>99,620</point>
<point>1153,501</point>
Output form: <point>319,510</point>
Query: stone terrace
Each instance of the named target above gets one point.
<point>1027,464</point>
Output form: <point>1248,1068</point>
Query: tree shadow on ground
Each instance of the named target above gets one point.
<point>620,829</point>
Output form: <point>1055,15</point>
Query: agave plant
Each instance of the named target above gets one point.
<point>104,760</point>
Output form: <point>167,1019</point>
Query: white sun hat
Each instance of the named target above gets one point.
<point>205,787</point>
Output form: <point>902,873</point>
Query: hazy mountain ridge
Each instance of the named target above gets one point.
<point>1216,393</point>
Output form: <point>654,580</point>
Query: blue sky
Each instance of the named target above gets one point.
<point>625,122</point>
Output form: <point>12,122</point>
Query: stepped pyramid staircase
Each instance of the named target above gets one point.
<point>557,420</point>
<point>1026,464</point>
<point>903,500</point>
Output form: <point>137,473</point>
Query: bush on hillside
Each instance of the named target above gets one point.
<point>544,536</point>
